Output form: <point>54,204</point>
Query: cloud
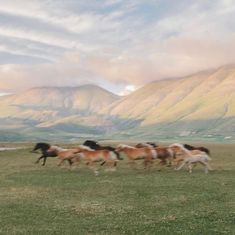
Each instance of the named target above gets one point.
<point>127,90</point>
<point>111,43</point>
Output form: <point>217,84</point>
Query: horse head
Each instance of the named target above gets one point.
<point>92,144</point>
<point>176,148</point>
<point>42,146</point>
<point>123,147</point>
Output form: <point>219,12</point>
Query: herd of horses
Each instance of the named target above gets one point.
<point>175,155</point>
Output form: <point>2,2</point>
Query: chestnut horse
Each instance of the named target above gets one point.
<point>63,154</point>
<point>94,145</point>
<point>165,155</point>
<point>91,156</point>
<point>132,153</point>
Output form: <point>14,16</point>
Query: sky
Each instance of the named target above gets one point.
<point>117,44</point>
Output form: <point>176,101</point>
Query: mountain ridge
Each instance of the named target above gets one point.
<point>198,104</point>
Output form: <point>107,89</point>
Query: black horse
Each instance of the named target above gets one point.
<point>203,149</point>
<point>94,145</point>
<point>45,154</point>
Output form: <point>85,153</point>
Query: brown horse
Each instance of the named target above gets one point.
<point>63,154</point>
<point>164,154</point>
<point>142,153</point>
<point>91,156</point>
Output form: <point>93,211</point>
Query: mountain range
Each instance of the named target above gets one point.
<point>199,106</point>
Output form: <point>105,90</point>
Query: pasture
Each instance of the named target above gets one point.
<point>37,199</point>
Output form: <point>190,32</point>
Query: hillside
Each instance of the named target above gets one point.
<point>86,99</point>
<point>198,106</point>
<point>203,101</point>
<point>55,108</point>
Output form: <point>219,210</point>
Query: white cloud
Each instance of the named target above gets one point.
<point>114,41</point>
<point>127,90</point>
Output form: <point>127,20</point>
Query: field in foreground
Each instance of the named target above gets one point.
<point>52,200</point>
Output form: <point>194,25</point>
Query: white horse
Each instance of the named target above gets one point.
<point>191,158</point>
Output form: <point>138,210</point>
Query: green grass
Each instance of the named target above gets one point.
<point>52,200</point>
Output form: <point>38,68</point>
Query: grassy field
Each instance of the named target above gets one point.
<point>52,200</point>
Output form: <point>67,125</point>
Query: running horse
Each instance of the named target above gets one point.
<point>94,145</point>
<point>91,156</point>
<point>164,154</point>
<point>145,153</point>
<point>46,151</point>
<point>190,157</point>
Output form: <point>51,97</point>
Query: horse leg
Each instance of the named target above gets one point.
<point>113,165</point>
<point>61,161</point>
<point>96,171</point>
<point>180,167</point>
<point>44,161</point>
<point>206,166</point>
<point>169,161</point>
<point>177,164</point>
<point>190,167</point>
<point>148,162</point>
<point>38,160</point>
<point>70,161</point>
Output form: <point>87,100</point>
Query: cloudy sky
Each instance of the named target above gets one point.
<point>117,44</point>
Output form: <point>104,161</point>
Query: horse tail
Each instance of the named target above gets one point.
<point>208,157</point>
<point>117,155</point>
<point>206,150</point>
<point>154,153</point>
<point>171,153</point>
<point>36,147</point>
<point>114,155</point>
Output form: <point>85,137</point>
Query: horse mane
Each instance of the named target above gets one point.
<point>206,150</point>
<point>92,144</point>
<point>42,146</point>
<point>176,145</point>
<point>181,146</point>
<point>125,146</point>
<point>147,144</point>
<point>203,149</point>
<point>189,147</point>
<point>152,144</point>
